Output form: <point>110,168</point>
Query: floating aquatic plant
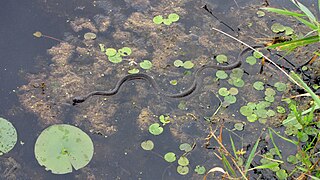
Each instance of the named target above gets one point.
<point>155,129</point>
<point>90,36</point>
<point>185,147</point>
<point>170,157</point>
<point>200,170</point>
<point>61,148</point>
<point>251,60</point>
<point>147,145</point>
<point>133,71</point>
<point>8,136</point>
<point>146,64</point>
<point>173,17</point>
<point>221,58</point>
<point>220,74</point>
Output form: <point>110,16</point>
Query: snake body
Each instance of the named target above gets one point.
<point>150,79</point>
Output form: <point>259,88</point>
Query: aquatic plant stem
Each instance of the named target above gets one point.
<point>238,40</point>
<point>52,38</point>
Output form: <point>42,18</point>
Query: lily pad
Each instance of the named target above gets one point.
<point>111,52</point>
<point>173,17</point>
<point>257,55</point>
<point>170,157</point>
<point>158,19</point>
<point>185,147</point>
<point>167,22</point>
<point>261,13</point>
<point>183,161</point>
<point>8,136</point>
<point>115,59</point>
<point>246,111</point>
<point>125,51</point>
<point>223,91</point>
<point>251,60</point>
<point>61,148</point>
<point>221,74</point>
<point>258,85</point>
<point>188,65</point>
<point>200,169</point>
<point>233,91</point>
<point>155,129</point>
<point>90,36</point>
<point>277,27</point>
<point>146,64</point>
<point>183,170</point>
<point>174,82</point>
<point>147,145</point>
<point>178,63</point>
<point>164,119</point>
<point>280,86</point>
<point>133,71</point>
<point>221,58</point>
<point>238,126</point>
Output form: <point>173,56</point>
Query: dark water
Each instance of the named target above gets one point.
<point>117,157</point>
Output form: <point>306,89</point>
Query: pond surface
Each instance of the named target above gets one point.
<point>40,76</point>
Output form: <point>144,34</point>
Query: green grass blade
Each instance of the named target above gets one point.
<point>282,12</point>
<point>284,138</point>
<point>303,113</point>
<point>228,166</point>
<point>306,87</point>
<point>274,144</point>
<point>233,147</point>
<point>305,10</point>
<point>307,23</point>
<point>290,45</point>
<point>266,166</point>
<point>251,155</point>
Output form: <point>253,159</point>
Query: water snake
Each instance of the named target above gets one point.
<point>196,82</point>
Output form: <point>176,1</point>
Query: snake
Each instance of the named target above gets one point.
<point>196,82</point>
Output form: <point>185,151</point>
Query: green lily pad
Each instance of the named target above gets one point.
<point>147,145</point>
<point>185,147</point>
<point>269,92</point>
<point>8,136</point>
<point>133,71</point>
<point>158,19</point>
<point>269,98</point>
<point>281,109</point>
<point>200,170</point>
<point>188,65</point>
<point>233,91</point>
<point>125,51</point>
<point>223,91</point>
<point>178,63</point>
<point>260,13</point>
<point>62,147</point>
<point>170,157</point>
<point>221,58</point>
<point>173,17</point>
<point>183,170</point>
<point>270,113</point>
<point>167,22</point>
<point>174,82</point>
<point>111,52</point>
<point>164,119</point>
<point>230,99</point>
<point>115,59</point>
<point>251,60</point>
<point>280,86</point>
<point>258,85</point>
<point>288,31</point>
<point>183,161</point>
<point>252,118</point>
<point>238,126</point>
<point>277,27</point>
<point>246,111</point>
<point>221,74</point>
<point>90,36</point>
<point>146,64</point>
<point>155,129</point>
<point>237,82</point>
<point>257,55</point>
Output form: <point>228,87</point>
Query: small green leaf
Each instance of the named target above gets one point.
<point>133,71</point>
<point>170,157</point>
<point>8,136</point>
<point>230,99</point>
<point>90,36</point>
<point>155,129</point>
<point>167,22</point>
<point>271,113</point>
<point>251,60</point>
<point>173,17</point>
<point>115,59</point>
<point>223,91</point>
<point>188,65</point>
<point>164,119</point>
<point>258,85</point>
<point>261,13</point>
<point>178,63</point>
<point>280,86</point>
<point>200,170</point>
<point>238,126</point>
<point>282,174</point>
<point>233,91</point>
<point>146,64</point>
<point>246,111</point>
<point>281,109</point>
<point>183,170</point>
<point>269,98</point>
<point>158,19</point>
<point>174,82</point>
<point>269,92</point>
<point>221,58</point>
<point>185,147</point>
<point>125,51</point>
<point>183,161</point>
<point>277,27</point>
<point>252,118</point>
<point>147,145</point>
<point>288,31</point>
<point>221,74</point>
<point>111,52</point>
<point>257,55</point>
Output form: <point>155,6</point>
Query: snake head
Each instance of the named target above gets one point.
<point>77,100</point>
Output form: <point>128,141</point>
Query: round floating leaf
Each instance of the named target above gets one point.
<point>200,169</point>
<point>281,109</point>
<point>230,99</point>
<point>262,113</point>
<point>170,157</point>
<point>233,91</point>
<point>183,161</point>
<point>155,129</point>
<point>147,145</point>
<point>263,104</point>
<point>237,73</point>
<point>260,13</point>
<point>8,136</point>
<point>251,60</point>
<point>183,170</point>
<point>277,27</point>
<point>269,92</point>
<point>90,36</point>
<point>252,105</point>
<point>258,85</point>
<point>271,113</point>
<point>221,58</point>
<point>125,51</point>
<point>37,34</point>
<point>146,64</point>
<point>288,31</point>
<point>257,55</point>
<point>178,63</point>
<point>282,174</point>
<point>133,71</point>
<point>221,74</point>
<point>223,91</point>
<point>167,22</point>
<point>252,118</point>
<point>173,17</point>
<point>269,98</point>
<point>164,119</point>
<point>115,59</point>
<point>188,65</point>
<point>238,126</point>
<point>246,111</point>
<point>304,68</point>
<point>174,82</point>
<point>111,52</point>
<point>62,147</point>
<point>280,86</point>
<point>158,19</point>
<point>238,82</point>
<point>185,147</point>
